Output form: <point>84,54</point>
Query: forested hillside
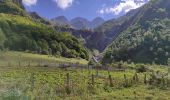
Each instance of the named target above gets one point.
<point>148,39</point>
<point>105,33</point>
<point>12,7</point>
<point>19,31</point>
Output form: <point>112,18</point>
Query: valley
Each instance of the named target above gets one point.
<point>75,58</point>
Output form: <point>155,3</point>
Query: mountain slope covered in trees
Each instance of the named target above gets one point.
<point>108,31</point>
<point>147,39</point>
<point>19,31</point>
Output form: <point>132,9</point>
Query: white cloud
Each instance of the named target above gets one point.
<point>29,2</point>
<point>123,7</point>
<point>63,4</point>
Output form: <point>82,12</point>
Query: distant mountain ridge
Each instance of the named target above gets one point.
<point>78,22</point>
<point>60,21</point>
<point>97,22</point>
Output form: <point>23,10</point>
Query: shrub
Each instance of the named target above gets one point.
<point>141,68</point>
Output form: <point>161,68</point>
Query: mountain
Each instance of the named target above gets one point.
<point>82,23</point>
<point>147,37</point>
<point>96,22</point>
<point>61,21</point>
<point>78,23</point>
<point>21,32</point>
<point>105,33</point>
<point>111,27</point>
<point>81,28</point>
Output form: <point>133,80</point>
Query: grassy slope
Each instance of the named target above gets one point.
<point>45,83</point>
<point>13,58</point>
<point>49,83</point>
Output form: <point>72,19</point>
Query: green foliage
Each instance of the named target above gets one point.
<point>23,33</point>
<point>141,68</point>
<point>8,7</point>
<point>145,46</point>
<point>2,39</point>
<point>145,41</point>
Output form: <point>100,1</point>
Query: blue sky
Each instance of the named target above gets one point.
<point>89,9</point>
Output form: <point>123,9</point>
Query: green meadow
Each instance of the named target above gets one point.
<point>14,58</point>
<point>18,81</point>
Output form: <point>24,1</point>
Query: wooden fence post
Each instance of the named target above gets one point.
<point>89,70</point>
<point>145,80</point>
<point>126,81</point>
<point>92,79</point>
<point>68,78</point>
<point>108,71</point>
<point>137,78</point>
<point>163,81</point>
<point>68,91</point>
<point>110,81</point>
<point>97,71</point>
